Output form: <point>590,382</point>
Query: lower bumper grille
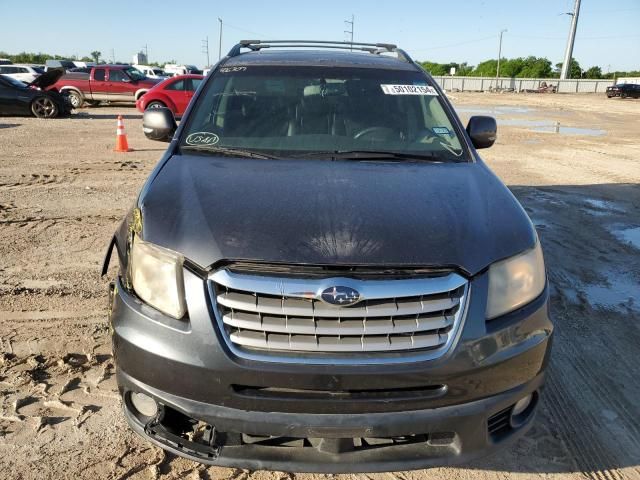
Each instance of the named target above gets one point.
<point>279,314</point>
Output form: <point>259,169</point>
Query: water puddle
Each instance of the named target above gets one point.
<point>622,291</point>
<point>557,128</point>
<point>504,114</point>
<point>497,110</point>
<point>629,235</point>
<point>601,208</point>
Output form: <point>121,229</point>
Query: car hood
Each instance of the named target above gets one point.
<point>320,212</point>
<point>48,78</point>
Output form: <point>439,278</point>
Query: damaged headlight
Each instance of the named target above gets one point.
<point>156,275</point>
<point>516,281</point>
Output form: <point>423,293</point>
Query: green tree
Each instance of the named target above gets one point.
<point>574,69</point>
<point>96,56</point>
<point>487,68</point>
<point>593,72</point>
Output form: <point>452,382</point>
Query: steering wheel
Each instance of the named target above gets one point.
<point>383,132</point>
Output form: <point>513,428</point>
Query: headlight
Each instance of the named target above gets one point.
<point>156,275</point>
<point>516,281</point>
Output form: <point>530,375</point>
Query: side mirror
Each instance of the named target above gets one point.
<point>159,124</point>
<point>482,130</point>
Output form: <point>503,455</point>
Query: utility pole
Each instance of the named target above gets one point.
<point>568,54</point>
<point>113,56</point>
<point>205,49</point>
<point>499,55</point>
<point>220,41</point>
<point>350,31</point>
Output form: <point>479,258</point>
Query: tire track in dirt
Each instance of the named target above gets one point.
<point>570,421</point>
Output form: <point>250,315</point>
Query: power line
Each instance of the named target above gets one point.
<point>455,44</point>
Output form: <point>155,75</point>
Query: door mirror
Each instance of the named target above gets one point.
<point>159,124</point>
<point>482,130</point>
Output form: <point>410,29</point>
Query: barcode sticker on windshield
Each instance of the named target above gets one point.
<point>408,90</point>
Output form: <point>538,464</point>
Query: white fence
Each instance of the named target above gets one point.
<point>480,84</point>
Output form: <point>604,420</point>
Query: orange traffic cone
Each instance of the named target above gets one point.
<point>121,138</point>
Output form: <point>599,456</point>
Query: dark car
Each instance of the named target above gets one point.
<point>624,90</point>
<point>18,98</point>
<point>321,274</point>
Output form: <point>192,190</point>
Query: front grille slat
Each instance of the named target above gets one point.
<point>279,314</point>
<point>275,306</point>
<point>309,326</point>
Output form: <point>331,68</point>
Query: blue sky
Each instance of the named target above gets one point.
<point>608,33</point>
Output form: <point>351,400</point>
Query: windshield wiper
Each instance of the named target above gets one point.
<point>227,151</point>
<point>374,155</point>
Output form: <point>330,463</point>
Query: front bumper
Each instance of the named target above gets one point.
<point>184,365</point>
<point>444,436</point>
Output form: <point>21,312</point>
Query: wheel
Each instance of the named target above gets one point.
<point>44,107</point>
<point>623,95</point>
<point>75,98</point>
<point>93,103</point>
<point>155,104</point>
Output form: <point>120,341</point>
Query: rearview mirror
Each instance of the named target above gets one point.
<point>159,124</point>
<point>482,131</point>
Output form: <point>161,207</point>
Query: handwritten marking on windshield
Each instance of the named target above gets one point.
<point>202,138</point>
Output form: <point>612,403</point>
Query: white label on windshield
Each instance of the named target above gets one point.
<point>408,90</point>
<point>202,138</point>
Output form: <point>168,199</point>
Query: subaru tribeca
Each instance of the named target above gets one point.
<point>322,275</point>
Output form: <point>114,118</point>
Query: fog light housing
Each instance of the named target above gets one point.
<point>522,410</point>
<point>143,404</point>
<point>521,405</point>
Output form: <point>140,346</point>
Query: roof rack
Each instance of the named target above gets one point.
<point>374,48</point>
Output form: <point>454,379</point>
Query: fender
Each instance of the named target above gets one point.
<point>140,92</point>
<point>75,89</point>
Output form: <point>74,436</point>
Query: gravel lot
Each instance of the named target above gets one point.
<point>63,191</point>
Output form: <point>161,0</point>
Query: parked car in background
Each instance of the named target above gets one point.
<point>322,274</point>
<point>624,90</point>
<point>152,72</point>
<point>114,83</point>
<point>64,64</point>
<point>5,61</point>
<point>174,93</point>
<point>19,98</point>
<point>24,73</point>
<point>173,69</point>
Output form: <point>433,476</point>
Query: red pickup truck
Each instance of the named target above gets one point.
<point>114,83</point>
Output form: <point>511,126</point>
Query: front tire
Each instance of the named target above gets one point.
<point>75,98</point>
<point>155,104</point>
<point>44,107</point>
<point>623,95</point>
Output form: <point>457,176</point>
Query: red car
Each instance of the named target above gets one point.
<point>173,93</point>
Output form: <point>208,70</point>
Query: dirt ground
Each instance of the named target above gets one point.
<point>63,191</point>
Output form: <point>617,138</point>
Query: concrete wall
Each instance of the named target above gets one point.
<point>480,84</point>
<point>628,80</point>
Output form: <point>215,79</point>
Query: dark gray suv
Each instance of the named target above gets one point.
<point>321,274</point>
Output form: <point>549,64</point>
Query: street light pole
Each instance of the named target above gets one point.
<point>566,65</point>
<point>220,41</point>
<point>499,55</point>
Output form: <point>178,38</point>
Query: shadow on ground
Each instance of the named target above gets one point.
<point>589,421</point>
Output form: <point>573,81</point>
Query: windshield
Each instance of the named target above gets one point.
<point>289,111</point>
<point>135,74</point>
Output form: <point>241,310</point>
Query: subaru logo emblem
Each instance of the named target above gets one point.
<point>341,296</point>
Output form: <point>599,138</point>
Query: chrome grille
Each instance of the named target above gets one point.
<point>278,314</point>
